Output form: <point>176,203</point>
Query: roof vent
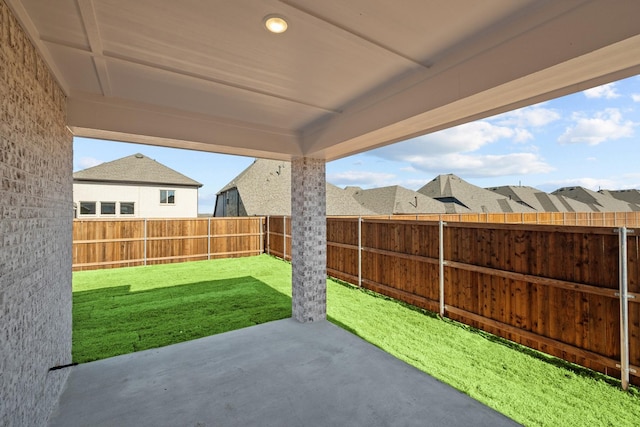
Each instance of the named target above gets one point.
<point>139,156</point>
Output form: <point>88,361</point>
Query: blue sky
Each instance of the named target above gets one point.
<point>590,138</point>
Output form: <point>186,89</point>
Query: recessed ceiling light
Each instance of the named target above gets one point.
<point>275,24</point>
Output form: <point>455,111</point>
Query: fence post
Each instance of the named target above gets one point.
<point>360,251</point>
<point>209,239</point>
<point>624,308</point>
<point>441,264</point>
<point>284,238</point>
<point>145,241</point>
<point>261,235</point>
<point>268,236</point>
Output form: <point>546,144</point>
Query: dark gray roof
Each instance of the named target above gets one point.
<point>265,189</point>
<point>134,169</point>
<point>463,197</point>
<point>541,201</point>
<point>396,200</point>
<point>630,196</point>
<point>599,202</point>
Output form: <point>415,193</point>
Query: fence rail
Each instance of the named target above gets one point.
<point>131,242</point>
<point>551,288</point>
<point>587,219</point>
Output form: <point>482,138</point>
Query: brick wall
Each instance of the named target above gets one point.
<point>35,231</point>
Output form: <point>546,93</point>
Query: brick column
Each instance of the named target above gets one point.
<point>309,239</point>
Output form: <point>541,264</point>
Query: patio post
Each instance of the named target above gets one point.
<point>309,239</point>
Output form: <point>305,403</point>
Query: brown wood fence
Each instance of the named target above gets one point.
<point>551,288</point>
<point>278,236</point>
<point>588,219</point>
<point>131,242</point>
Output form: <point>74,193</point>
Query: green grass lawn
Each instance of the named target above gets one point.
<point>119,311</point>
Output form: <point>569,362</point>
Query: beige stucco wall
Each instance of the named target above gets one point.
<point>146,199</point>
<point>35,232</point>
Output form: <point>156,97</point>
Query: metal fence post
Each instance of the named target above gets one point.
<point>360,251</point>
<point>624,308</point>
<point>441,264</point>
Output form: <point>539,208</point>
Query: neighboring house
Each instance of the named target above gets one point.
<point>541,201</point>
<point>395,200</point>
<point>597,201</point>
<point>264,188</point>
<point>630,196</point>
<point>460,196</point>
<point>134,187</point>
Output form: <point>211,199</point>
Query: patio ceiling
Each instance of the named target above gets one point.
<point>346,77</point>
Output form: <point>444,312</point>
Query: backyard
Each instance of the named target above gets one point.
<point>118,311</point>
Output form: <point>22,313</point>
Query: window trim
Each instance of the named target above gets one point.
<point>107,213</point>
<point>168,197</point>
<point>133,206</point>
<point>95,208</point>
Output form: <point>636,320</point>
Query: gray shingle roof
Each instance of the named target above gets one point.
<point>135,169</point>
<point>599,202</point>
<point>463,197</point>
<point>541,201</point>
<point>631,196</point>
<point>265,189</point>
<point>396,200</point>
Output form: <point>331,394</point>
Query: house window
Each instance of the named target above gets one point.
<point>126,208</point>
<point>87,208</point>
<point>167,197</point>
<point>107,208</point>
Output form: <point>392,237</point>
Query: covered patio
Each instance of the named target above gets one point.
<point>281,373</point>
<point>345,77</point>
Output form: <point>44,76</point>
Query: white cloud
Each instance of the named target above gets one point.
<point>522,135</point>
<point>604,125</point>
<point>593,184</point>
<point>88,162</point>
<point>535,116</point>
<point>451,150</point>
<point>607,91</point>
<point>414,183</point>
<point>464,138</point>
<point>362,179</point>
<point>482,165</point>
<point>635,97</point>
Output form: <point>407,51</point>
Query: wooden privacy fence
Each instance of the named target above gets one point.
<point>131,242</point>
<point>278,236</point>
<point>551,288</point>
<point>588,219</point>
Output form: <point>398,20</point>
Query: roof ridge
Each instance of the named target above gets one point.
<point>136,168</point>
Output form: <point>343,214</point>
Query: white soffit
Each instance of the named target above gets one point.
<point>346,76</point>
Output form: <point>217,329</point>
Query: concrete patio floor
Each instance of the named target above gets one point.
<point>281,373</point>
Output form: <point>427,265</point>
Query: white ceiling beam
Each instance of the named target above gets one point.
<point>98,117</point>
<point>90,22</point>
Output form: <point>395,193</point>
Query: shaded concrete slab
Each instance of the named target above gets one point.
<point>281,373</point>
